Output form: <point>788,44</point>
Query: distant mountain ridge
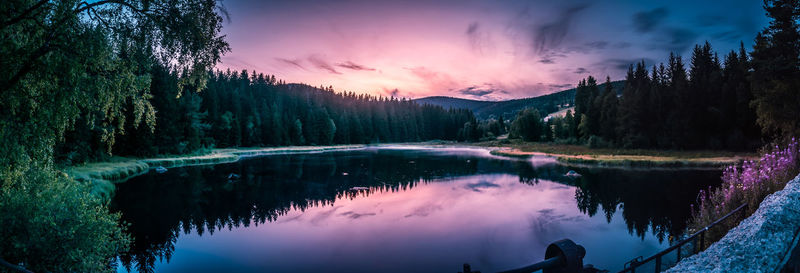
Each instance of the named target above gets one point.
<point>546,104</point>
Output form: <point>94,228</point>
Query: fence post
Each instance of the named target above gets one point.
<point>658,262</point>
<point>702,239</point>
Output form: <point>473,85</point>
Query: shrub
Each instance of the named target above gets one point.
<point>52,223</point>
<point>749,183</point>
<point>598,142</point>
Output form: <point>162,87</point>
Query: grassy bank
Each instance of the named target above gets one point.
<point>102,175</point>
<point>583,155</point>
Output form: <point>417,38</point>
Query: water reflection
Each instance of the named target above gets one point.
<point>475,207</point>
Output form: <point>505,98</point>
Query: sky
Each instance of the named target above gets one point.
<point>486,50</point>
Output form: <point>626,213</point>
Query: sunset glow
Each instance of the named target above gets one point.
<point>473,49</point>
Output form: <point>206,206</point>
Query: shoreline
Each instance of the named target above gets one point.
<point>580,155</point>
<point>103,175</point>
<point>627,161</point>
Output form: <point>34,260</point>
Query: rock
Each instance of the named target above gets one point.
<point>233,178</point>
<point>572,173</point>
<point>759,243</point>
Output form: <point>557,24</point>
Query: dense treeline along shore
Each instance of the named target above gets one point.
<point>705,107</point>
<point>84,81</point>
<point>249,109</point>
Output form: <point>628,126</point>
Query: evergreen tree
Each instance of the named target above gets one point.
<point>528,125</point>
<point>776,70</point>
<point>608,112</point>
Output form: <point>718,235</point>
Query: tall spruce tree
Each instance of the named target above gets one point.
<point>776,70</point>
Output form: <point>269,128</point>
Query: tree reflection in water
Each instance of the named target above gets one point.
<point>159,207</point>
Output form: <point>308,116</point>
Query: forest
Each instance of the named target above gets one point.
<point>738,102</point>
<point>85,80</point>
<point>248,109</point>
<point>713,104</point>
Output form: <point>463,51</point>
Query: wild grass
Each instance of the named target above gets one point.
<point>101,176</point>
<point>746,183</point>
<point>117,169</point>
<point>574,149</point>
<point>583,155</point>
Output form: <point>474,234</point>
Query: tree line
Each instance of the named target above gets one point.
<point>243,108</point>
<point>737,102</point>
<point>707,106</point>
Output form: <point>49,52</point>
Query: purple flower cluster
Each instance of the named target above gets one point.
<point>749,182</point>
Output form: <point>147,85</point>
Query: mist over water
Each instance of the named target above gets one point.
<point>396,210</point>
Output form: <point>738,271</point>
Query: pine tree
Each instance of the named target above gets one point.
<point>608,112</point>
<point>776,70</point>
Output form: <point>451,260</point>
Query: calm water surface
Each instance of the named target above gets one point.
<point>396,210</point>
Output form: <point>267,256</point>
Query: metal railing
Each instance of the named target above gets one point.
<point>697,239</point>
<point>566,256</point>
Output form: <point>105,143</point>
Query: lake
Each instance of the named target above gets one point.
<point>396,209</point>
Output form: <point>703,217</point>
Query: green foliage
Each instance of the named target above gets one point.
<point>86,66</point>
<point>584,129</point>
<point>67,60</point>
<point>528,126</point>
<point>251,109</point>
<point>52,223</point>
<point>668,107</point>
<point>776,70</point>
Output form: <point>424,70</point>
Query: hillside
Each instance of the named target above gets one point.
<point>508,108</point>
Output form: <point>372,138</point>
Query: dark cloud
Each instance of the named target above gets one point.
<point>550,36</point>
<point>472,28</point>
<point>560,86</point>
<point>584,48</point>
<point>599,45</point>
<point>676,40</point>
<point>547,61</point>
<point>392,92</point>
<point>623,64</point>
<point>354,66</point>
<point>477,91</point>
<point>479,40</point>
<point>424,210</point>
<point>728,36</point>
<point>581,70</point>
<point>354,215</point>
<point>646,21</point>
<point>473,36</point>
<point>729,28</point>
<point>481,185</point>
<point>291,62</point>
<point>320,63</point>
<point>323,216</point>
<point>622,45</point>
